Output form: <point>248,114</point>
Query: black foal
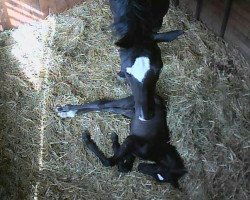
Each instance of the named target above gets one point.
<point>148,140</point>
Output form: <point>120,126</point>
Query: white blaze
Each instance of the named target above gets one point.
<point>140,68</point>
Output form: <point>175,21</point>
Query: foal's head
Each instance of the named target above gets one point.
<point>142,76</point>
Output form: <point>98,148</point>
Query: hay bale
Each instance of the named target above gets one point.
<point>204,82</point>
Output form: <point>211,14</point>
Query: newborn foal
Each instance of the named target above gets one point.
<point>148,140</point>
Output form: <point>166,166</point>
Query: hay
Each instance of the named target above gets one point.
<point>204,82</point>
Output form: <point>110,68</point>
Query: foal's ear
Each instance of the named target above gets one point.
<point>167,36</point>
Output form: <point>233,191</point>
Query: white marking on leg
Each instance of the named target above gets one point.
<point>70,114</point>
<point>140,68</point>
<point>160,177</point>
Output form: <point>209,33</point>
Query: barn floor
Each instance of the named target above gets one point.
<point>70,58</point>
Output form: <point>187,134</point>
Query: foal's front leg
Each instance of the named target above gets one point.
<point>125,149</point>
<point>123,106</point>
<point>126,164</point>
<point>91,145</point>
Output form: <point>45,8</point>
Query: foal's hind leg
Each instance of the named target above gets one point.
<point>126,164</point>
<point>123,106</point>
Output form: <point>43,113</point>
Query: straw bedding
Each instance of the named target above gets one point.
<point>70,58</point>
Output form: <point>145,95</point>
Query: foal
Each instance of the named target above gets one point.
<point>135,24</point>
<point>148,140</point>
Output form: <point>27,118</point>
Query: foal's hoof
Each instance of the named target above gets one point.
<point>86,137</point>
<point>65,111</point>
<point>114,137</point>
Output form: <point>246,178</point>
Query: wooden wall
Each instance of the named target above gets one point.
<point>16,12</point>
<point>212,13</point>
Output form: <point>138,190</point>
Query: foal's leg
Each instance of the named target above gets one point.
<point>123,106</point>
<point>91,145</point>
<point>125,149</point>
<point>126,164</point>
<point>161,174</point>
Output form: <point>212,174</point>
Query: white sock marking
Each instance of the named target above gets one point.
<point>160,177</point>
<point>140,68</point>
<point>70,114</point>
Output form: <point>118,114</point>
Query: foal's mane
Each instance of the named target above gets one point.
<point>133,20</point>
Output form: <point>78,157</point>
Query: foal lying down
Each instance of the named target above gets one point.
<point>148,140</point>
